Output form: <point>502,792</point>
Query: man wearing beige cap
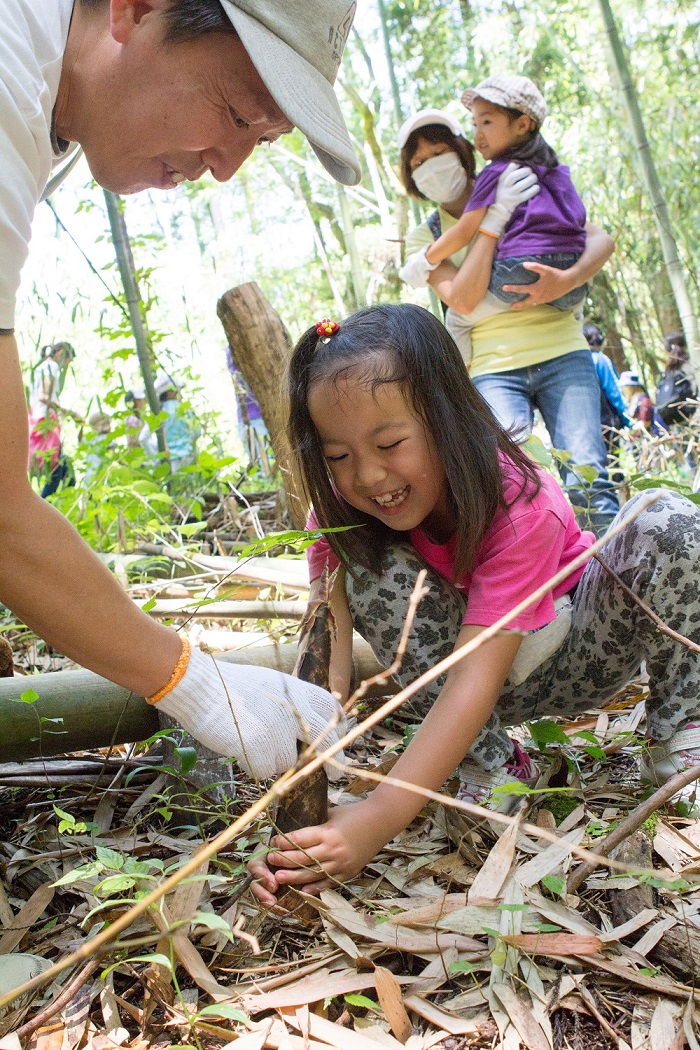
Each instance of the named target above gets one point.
<point>155,92</point>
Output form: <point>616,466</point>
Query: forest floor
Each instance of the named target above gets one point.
<point>468,930</point>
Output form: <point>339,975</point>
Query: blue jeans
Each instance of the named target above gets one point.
<point>512,271</point>
<point>567,393</point>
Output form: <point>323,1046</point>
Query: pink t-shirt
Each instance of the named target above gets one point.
<point>525,546</point>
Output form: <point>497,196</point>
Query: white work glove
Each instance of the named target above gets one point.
<point>253,714</point>
<point>416,270</point>
<point>515,186</point>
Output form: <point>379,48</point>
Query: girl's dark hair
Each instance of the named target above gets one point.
<point>676,346</point>
<point>53,348</point>
<point>404,344</point>
<point>187,19</point>
<point>434,133</point>
<point>592,334</point>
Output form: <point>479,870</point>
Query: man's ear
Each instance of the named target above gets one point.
<point>127,15</point>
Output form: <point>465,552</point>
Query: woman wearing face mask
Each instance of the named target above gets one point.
<point>520,360</point>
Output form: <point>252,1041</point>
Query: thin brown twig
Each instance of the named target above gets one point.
<point>291,777</point>
<point>632,821</point>
<point>664,628</point>
<point>61,1000</point>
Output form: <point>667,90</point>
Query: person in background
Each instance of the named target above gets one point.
<point>251,425</point>
<point>180,427</point>
<point>677,390</point>
<point>94,443</point>
<point>613,413</point>
<point>532,356</point>
<point>47,460</point>
<point>640,407</point>
<point>507,113</point>
<point>136,404</point>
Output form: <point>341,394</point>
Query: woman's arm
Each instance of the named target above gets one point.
<point>354,834</point>
<point>456,238</point>
<point>464,288</point>
<point>552,283</point>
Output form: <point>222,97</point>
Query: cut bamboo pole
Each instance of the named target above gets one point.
<point>97,713</point>
<point>243,610</point>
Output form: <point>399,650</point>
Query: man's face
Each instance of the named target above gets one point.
<point>174,111</point>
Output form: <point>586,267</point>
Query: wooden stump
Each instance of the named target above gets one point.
<point>261,348</point>
<point>7,666</point>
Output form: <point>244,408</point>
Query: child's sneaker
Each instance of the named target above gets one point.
<point>477,785</point>
<point>663,759</point>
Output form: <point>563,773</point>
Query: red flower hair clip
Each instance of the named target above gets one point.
<point>326,328</point>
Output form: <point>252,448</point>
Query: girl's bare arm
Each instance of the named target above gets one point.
<point>464,288</point>
<point>456,238</point>
<point>353,835</point>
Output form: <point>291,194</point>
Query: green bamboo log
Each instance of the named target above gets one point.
<point>94,712</point>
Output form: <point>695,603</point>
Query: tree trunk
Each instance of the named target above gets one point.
<point>650,178</point>
<point>134,302</point>
<point>261,347</point>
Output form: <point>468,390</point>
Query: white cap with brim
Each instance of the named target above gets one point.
<point>296,47</point>
<point>629,379</point>
<point>422,119</point>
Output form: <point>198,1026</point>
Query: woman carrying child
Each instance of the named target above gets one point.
<point>390,435</point>
<point>533,355</point>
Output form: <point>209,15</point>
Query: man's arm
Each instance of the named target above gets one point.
<point>552,283</point>
<point>52,580</point>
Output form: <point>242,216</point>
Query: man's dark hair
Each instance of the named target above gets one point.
<point>187,19</point>
<point>435,133</point>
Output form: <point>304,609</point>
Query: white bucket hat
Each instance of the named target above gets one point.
<point>422,119</point>
<point>629,379</point>
<point>296,47</point>
<point>511,92</point>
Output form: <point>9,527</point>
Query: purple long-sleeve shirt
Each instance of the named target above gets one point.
<point>553,221</point>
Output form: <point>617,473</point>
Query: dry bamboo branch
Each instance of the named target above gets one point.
<point>632,821</point>
<point>693,646</point>
<point>61,1000</point>
<point>288,779</point>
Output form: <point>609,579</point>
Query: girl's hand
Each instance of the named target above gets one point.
<point>308,858</point>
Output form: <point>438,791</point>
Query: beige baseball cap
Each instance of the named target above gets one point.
<point>296,47</point>
<point>511,92</point>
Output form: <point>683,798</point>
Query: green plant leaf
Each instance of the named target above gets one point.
<point>544,732</point>
<point>554,883</point>
<point>224,1010</point>
<point>355,999</point>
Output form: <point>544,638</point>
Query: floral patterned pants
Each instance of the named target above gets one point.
<point>657,556</point>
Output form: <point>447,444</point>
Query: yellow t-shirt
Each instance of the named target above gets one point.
<point>517,338</point>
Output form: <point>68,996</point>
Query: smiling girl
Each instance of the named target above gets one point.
<point>391,436</point>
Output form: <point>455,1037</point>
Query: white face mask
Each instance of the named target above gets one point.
<point>441,178</point>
